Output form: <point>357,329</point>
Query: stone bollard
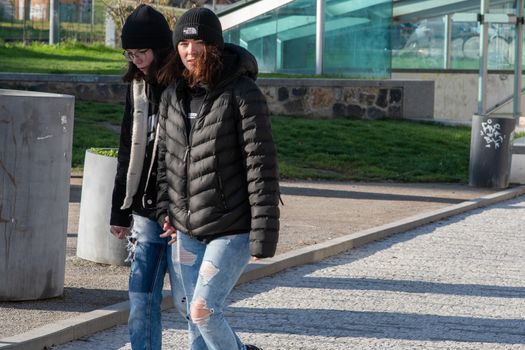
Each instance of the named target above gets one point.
<point>36,131</point>
<point>95,243</point>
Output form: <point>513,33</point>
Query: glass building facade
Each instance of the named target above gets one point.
<point>356,38</point>
<point>368,38</point>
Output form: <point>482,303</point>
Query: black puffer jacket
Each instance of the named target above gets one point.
<point>222,177</point>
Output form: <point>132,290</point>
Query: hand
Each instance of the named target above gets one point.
<point>119,231</point>
<point>169,231</point>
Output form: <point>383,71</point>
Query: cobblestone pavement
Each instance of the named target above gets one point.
<point>455,284</point>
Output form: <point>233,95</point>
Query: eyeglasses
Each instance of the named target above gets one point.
<point>130,56</point>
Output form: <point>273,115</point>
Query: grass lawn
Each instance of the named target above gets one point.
<point>366,150</point>
<point>340,149</point>
<point>90,128</point>
<point>62,58</point>
<point>337,149</point>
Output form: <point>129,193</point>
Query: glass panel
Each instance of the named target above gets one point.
<point>284,40</point>
<point>465,45</point>
<point>357,40</point>
<point>465,54</point>
<point>296,37</point>
<point>501,37</point>
<point>420,44</point>
<point>503,6</point>
<point>259,37</point>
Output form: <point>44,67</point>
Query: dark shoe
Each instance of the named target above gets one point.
<point>252,347</point>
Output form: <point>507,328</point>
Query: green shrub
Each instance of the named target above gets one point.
<point>108,152</point>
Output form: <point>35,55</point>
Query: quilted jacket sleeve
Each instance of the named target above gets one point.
<point>260,157</point>
<point>162,184</point>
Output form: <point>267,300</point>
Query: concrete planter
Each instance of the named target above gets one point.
<point>36,131</point>
<point>95,242</point>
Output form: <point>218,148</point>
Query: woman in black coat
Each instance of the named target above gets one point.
<point>217,178</point>
<point>146,39</point>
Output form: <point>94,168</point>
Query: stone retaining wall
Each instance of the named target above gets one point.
<point>316,98</point>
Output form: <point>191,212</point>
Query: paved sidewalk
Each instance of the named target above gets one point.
<point>319,220</point>
<point>458,283</point>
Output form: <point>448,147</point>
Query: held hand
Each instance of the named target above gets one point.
<point>169,231</point>
<point>119,231</point>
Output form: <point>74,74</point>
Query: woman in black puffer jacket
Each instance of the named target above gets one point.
<point>146,39</point>
<point>217,176</point>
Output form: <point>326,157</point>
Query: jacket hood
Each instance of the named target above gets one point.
<point>237,62</point>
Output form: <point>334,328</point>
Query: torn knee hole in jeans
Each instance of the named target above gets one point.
<point>207,271</point>
<point>131,247</point>
<point>200,314</point>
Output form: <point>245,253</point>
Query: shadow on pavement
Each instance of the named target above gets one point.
<point>327,193</point>
<point>73,300</point>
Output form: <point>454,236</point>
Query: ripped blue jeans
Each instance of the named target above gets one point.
<point>209,272</point>
<point>150,258</point>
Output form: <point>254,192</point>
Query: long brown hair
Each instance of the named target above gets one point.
<point>160,58</point>
<point>207,69</point>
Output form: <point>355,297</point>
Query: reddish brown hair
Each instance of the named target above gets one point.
<point>206,71</point>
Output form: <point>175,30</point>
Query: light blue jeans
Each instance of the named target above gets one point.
<point>150,258</point>
<point>209,272</point>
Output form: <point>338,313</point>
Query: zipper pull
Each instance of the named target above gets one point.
<point>186,153</point>
<point>188,222</point>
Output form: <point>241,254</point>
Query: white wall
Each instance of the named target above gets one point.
<point>455,94</point>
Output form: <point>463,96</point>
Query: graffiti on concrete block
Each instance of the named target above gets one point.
<point>491,133</point>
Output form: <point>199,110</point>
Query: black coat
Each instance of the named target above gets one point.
<point>222,177</point>
<point>140,206</point>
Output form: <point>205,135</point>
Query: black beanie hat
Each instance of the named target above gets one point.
<point>146,28</point>
<point>199,23</point>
